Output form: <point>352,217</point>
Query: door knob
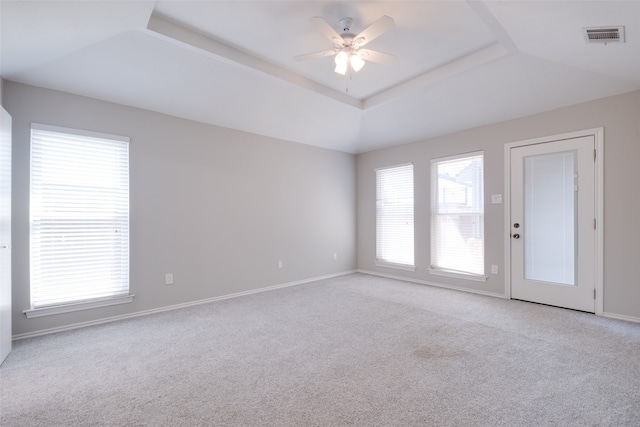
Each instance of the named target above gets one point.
<point>516,236</point>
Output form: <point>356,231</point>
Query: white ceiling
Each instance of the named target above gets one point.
<point>230,63</point>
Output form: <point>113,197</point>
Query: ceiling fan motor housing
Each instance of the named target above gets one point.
<point>346,39</point>
<point>345,24</point>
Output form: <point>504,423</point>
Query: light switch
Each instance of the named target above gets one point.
<point>496,199</point>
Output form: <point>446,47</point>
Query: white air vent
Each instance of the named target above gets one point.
<point>604,34</point>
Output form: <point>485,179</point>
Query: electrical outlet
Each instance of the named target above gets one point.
<point>494,269</point>
<point>168,279</point>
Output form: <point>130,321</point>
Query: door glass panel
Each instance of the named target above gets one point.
<point>550,217</point>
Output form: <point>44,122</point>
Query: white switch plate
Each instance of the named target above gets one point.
<point>496,199</point>
<point>280,264</point>
<point>168,279</point>
<point>335,256</point>
<point>494,269</point>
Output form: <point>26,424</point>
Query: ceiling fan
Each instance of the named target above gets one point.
<point>347,47</point>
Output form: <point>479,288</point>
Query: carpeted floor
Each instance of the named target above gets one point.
<point>353,350</point>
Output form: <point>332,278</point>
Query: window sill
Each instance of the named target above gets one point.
<point>84,305</point>
<point>457,275</point>
<point>404,267</point>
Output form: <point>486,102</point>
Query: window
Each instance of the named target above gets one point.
<point>79,217</point>
<point>394,217</point>
<point>457,215</point>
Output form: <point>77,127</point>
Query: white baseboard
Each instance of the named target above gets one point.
<point>172,307</point>
<point>429,283</point>
<point>621,317</point>
<point>475,291</point>
<point>271,288</point>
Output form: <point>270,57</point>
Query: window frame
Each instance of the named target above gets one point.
<point>440,271</point>
<point>92,302</point>
<point>381,262</point>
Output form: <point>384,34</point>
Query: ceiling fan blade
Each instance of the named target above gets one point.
<point>374,30</point>
<point>315,55</point>
<point>375,56</point>
<point>327,30</point>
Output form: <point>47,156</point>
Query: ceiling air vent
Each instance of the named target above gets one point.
<point>604,34</point>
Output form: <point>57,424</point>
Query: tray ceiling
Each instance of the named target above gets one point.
<point>230,63</point>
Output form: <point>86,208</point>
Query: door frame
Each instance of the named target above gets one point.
<point>5,235</point>
<point>598,134</point>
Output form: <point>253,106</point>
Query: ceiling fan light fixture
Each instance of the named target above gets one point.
<point>341,57</point>
<point>341,69</point>
<point>356,62</point>
<point>342,62</point>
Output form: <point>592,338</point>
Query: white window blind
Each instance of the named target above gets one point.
<point>457,214</point>
<point>394,216</point>
<point>79,216</point>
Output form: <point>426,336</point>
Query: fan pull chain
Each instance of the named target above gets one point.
<point>349,78</point>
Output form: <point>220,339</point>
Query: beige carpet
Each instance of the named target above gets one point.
<point>354,350</point>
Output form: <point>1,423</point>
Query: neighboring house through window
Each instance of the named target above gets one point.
<point>457,215</point>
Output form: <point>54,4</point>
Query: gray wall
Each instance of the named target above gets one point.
<point>219,208</point>
<point>216,207</point>
<point>620,117</point>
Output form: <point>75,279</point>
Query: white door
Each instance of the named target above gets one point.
<point>553,211</point>
<point>5,234</point>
